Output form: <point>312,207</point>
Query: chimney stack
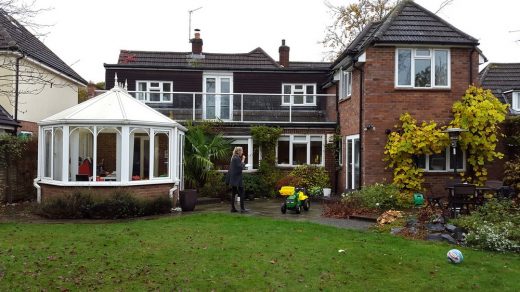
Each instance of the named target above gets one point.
<point>196,43</point>
<point>284,55</point>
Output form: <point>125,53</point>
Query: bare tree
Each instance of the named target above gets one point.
<point>443,4</point>
<point>20,49</point>
<point>348,21</point>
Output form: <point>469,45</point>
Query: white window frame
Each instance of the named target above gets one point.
<point>218,93</point>
<point>515,101</point>
<point>345,84</point>
<point>250,156</point>
<point>414,57</point>
<point>347,159</point>
<point>145,95</point>
<point>304,94</point>
<point>447,160</point>
<point>308,143</point>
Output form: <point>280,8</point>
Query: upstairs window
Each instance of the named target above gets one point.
<point>154,91</point>
<point>345,84</point>
<point>299,94</point>
<point>422,68</point>
<point>516,101</point>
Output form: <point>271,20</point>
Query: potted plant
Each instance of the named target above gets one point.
<point>201,150</point>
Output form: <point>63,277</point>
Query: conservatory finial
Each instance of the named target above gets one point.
<point>115,81</point>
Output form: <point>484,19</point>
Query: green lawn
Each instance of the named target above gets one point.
<point>226,252</point>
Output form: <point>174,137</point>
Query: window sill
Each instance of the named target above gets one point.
<point>341,100</point>
<point>422,88</point>
<point>298,105</point>
<point>107,183</point>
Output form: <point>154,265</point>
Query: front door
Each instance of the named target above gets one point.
<point>218,100</point>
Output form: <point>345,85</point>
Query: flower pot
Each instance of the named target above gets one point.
<point>188,200</point>
<point>326,192</point>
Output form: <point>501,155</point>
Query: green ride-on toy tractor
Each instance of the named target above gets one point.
<point>295,200</point>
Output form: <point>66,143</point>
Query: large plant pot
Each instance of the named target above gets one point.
<point>188,200</point>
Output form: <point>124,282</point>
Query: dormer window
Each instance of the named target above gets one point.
<point>414,68</point>
<point>515,104</point>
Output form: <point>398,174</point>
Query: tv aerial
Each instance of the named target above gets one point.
<point>190,12</point>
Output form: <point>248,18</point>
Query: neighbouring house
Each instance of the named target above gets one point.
<point>241,90</point>
<point>503,79</point>
<point>35,82</point>
<point>109,141</point>
<point>411,61</point>
<point>7,123</point>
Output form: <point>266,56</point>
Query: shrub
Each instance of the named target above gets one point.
<point>288,180</point>
<point>215,185</point>
<point>512,173</point>
<point>315,191</point>
<point>70,206</point>
<point>255,186</point>
<point>311,176</point>
<point>120,204</point>
<point>494,226</point>
<point>159,205</point>
<point>377,196</point>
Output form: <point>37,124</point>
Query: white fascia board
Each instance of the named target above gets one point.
<point>363,57</point>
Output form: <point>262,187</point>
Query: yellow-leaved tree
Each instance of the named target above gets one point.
<point>481,113</point>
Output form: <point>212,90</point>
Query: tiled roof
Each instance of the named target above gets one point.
<point>501,77</point>
<point>12,33</point>
<point>257,59</point>
<point>408,23</point>
<point>6,119</point>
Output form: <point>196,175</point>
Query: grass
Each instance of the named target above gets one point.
<point>226,252</point>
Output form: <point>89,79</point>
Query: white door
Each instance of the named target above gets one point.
<point>352,162</point>
<point>218,98</point>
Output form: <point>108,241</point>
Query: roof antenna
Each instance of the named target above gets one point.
<point>189,26</point>
<point>126,84</point>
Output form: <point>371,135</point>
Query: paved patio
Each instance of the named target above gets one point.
<point>271,208</point>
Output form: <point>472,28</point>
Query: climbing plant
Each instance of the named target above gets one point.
<point>11,148</point>
<point>480,112</point>
<point>267,138</point>
<point>409,141</point>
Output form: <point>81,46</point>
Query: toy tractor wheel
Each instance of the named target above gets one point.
<point>306,205</point>
<point>298,209</point>
<point>284,208</point>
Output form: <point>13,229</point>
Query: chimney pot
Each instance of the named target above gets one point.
<point>196,43</point>
<point>284,55</point>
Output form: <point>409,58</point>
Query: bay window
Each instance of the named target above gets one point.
<point>295,150</point>
<point>422,68</point>
<point>299,94</point>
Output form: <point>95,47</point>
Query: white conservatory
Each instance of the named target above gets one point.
<point>111,140</point>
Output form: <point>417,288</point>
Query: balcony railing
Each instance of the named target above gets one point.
<point>242,107</point>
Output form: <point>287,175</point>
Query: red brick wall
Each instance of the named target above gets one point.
<point>383,104</point>
<point>106,150</point>
<point>143,191</point>
<point>29,127</point>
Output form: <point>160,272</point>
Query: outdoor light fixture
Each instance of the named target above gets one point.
<point>454,134</point>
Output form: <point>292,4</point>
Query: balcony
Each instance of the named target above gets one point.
<point>242,107</point>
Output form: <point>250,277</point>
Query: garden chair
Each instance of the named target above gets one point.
<point>462,199</point>
<point>433,199</point>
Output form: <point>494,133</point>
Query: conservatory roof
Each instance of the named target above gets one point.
<point>114,107</point>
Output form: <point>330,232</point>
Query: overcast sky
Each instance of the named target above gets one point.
<point>86,34</point>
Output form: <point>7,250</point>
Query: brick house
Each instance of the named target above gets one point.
<point>387,71</point>
<point>241,90</point>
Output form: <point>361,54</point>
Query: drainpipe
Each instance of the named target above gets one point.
<point>38,190</point>
<point>336,170</point>
<point>16,94</point>
<point>361,132</point>
<point>471,65</point>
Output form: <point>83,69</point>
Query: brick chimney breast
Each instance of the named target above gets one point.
<point>284,55</point>
<point>196,43</point>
